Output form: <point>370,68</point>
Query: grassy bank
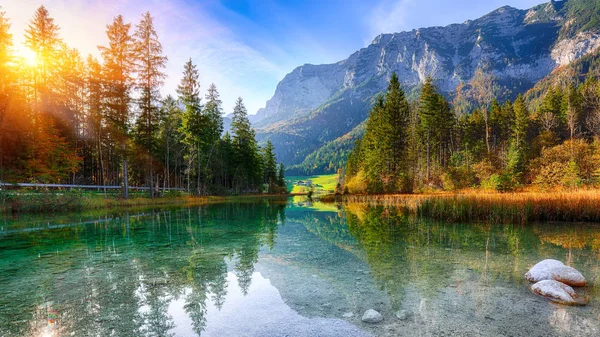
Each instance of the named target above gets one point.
<point>571,206</point>
<point>65,201</point>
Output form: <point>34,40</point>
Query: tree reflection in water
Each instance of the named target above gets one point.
<point>121,273</point>
<point>118,274</point>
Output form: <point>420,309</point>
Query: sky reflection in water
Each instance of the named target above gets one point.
<point>274,269</point>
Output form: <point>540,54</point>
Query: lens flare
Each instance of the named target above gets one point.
<point>27,56</point>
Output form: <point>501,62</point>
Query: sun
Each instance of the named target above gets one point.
<point>28,56</point>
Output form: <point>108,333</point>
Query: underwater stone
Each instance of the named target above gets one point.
<point>555,270</point>
<point>372,316</point>
<point>402,315</point>
<point>558,292</point>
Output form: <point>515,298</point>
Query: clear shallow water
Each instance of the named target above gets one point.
<point>276,269</point>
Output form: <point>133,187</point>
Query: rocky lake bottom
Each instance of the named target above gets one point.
<point>286,269</point>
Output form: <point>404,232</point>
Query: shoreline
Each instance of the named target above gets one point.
<point>479,206</point>
<point>51,202</point>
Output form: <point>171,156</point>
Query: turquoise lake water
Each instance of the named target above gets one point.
<point>277,268</point>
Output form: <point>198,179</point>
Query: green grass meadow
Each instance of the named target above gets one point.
<point>321,183</point>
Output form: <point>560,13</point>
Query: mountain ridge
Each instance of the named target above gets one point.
<point>316,104</point>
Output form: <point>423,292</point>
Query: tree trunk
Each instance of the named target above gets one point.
<point>198,173</point>
<point>487,134</point>
<point>125,179</point>
<point>428,154</point>
<point>125,174</point>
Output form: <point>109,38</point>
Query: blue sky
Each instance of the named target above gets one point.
<point>247,47</point>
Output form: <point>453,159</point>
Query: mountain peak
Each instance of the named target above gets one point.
<point>315,104</point>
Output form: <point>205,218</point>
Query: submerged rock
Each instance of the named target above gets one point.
<point>569,275</point>
<point>348,315</point>
<point>555,270</point>
<point>558,292</point>
<point>402,315</point>
<point>372,316</point>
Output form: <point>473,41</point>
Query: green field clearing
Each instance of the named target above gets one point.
<point>320,183</point>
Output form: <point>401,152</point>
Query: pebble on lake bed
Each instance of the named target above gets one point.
<point>372,316</point>
<point>555,270</point>
<point>402,315</point>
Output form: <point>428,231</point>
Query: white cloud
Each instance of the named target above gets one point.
<point>390,16</point>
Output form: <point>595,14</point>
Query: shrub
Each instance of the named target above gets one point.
<point>484,170</point>
<point>357,183</point>
<point>570,164</point>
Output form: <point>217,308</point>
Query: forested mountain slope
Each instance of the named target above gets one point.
<point>317,104</point>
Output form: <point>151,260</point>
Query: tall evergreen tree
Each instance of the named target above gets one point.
<point>193,123</point>
<point>516,154</point>
<point>7,85</point>
<point>41,36</point>
<point>281,176</point>
<point>572,110</point>
<point>521,120</point>
<point>118,71</point>
<point>170,138</point>
<point>248,168</point>
<point>95,118</point>
<point>429,120</point>
<point>213,113</point>
<point>550,111</point>
<point>270,167</point>
<point>375,152</point>
<point>149,67</point>
<point>397,112</point>
<point>386,144</point>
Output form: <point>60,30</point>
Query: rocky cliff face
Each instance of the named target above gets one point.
<point>316,104</point>
<point>301,91</point>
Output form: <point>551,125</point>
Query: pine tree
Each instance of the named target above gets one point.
<point>41,36</point>
<point>95,119</point>
<point>213,113</point>
<point>385,143</point>
<point>247,163</point>
<point>270,167</point>
<point>193,123</point>
<point>355,159</point>
<point>149,64</point>
<point>550,110</point>
<point>169,137</point>
<point>429,106</point>
<point>118,70</point>
<point>572,110</point>
<point>281,177</point>
<point>375,151</point>
<point>521,120</point>
<point>398,112</point>
<point>227,160</point>
<point>516,153</point>
<point>7,84</point>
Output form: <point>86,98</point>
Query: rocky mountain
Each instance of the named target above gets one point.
<point>317,104</point>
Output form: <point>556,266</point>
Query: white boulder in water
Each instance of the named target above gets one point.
<point>557,292</point>
<point>555,270</point>
<point>372,316</point>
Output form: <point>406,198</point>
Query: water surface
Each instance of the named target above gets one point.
<point>282,269</point>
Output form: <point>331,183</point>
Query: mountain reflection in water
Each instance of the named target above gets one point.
<point>272,268</point>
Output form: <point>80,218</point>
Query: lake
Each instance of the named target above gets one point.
<point>277,268</point>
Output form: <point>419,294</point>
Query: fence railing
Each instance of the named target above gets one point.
<point>88,187</point>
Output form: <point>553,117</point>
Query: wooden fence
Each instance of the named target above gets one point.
<point>85,187</point>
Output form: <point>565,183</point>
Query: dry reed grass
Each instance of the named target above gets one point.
<point>472,206</point>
